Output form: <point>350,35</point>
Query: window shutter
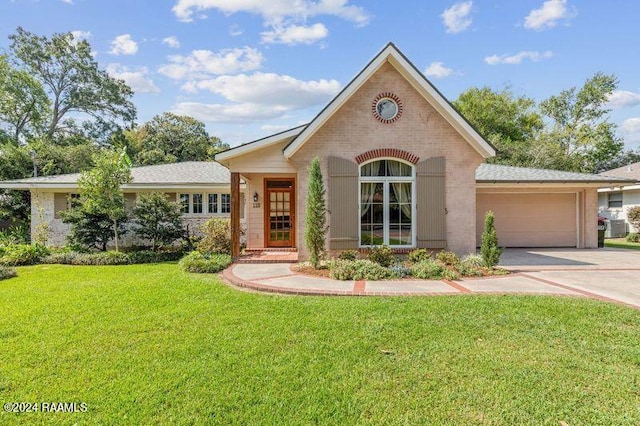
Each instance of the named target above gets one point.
<point>432,219</point>
<point>343,204</point>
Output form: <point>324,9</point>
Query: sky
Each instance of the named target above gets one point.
<point>251,68</point>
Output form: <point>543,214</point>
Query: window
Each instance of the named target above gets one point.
<point>386,203</point>
<point>63,202</point>
<point>184,201</point>
<point>213,203</point>
<point>615,200</point>
<point>197,203</point>
<point>225,203</point>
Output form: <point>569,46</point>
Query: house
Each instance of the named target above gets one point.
<point>201,187</point>
<point>614,201</point>
<point>402,167</point>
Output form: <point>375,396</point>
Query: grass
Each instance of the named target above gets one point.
<point>621,243</point>
<point>149,344</point>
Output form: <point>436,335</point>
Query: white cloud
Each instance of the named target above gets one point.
<point>274,11</point>
<point>548,15</point>
<point>269,89</point>
<point>123,45</point>
<point>623,98</point>
<point>67,1</point>
<point>235,31</point>
<point>256,97</point>
<point>518,57</point>
<point>631,125</point>
<point>205,63</point>
<point>456,18</point>
<point>228,113</point>
<point>171,41</point>
<point>275,128</point>
<point>81,35</point>
<point>438,70</point>
<point>136,79</point>
<point>295,34</point>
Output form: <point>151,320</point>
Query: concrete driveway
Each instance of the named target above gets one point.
<point>607,273</point>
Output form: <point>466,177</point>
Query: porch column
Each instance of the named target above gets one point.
<point>235,214</point>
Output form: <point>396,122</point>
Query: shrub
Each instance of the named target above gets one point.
<point>633,216</point>
<point>348,255</point>
<point>104,258</point>
<point>418,255</point>
<point>489,249</point>
<point>217,237</point>
<point>158,219</point>
<point>204,263</point>
<point>400,271</point>
<point>149,256</point>
<point>358,270</point>
<point>316,217</point>
<point>449,258</point>
<point>6,272</point>
<point>17,234</point>
<point>450,274</point>
<point>382,255</point>
<point>428,269</point>
<point>23,254</point>
<point>633,237</point>
<point>110,257</point>
<point>472,260</point>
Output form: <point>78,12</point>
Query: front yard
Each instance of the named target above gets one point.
<point>621,243</point>
<point>149,344</point>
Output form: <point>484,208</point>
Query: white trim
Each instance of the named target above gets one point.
<point>578,211</point>
<point>259,144</point>
<point>393,56</point>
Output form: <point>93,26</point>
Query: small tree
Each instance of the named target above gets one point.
<point>633,216</point>
<point>89,230</point>
<point>489,249</point>
<point>316,221</point>
<point>100,192</point>
<point>158,219</point>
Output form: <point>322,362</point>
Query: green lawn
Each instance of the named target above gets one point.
<point>621,243</point>
<point>149,344</point>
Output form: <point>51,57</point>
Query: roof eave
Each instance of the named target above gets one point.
<point>224,156</point>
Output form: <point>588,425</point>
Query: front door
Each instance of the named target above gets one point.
<point>279,213</point>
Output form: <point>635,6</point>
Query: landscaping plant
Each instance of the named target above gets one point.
<point>489,249</point>
<point>633,216</point>
<point>158,219</point>
<point>316,215</point>
<point>217,236</point>
<point>204,263</point>
<point>382,255</point>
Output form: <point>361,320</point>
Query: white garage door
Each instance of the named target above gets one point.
<point>530,220</point>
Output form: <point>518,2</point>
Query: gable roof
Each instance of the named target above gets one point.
<point>497,174</point>
<point>185,174</point>
<point>631,171</point>
<point>390,54</point>
<point>255,145</point>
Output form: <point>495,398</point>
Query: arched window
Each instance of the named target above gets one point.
<point>387,212</point>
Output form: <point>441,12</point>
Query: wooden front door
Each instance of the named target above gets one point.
<point>279,213</point>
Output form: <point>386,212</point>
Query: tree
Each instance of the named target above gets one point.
<point>65,67</point>
<point>15,163</point>
<point>100,189</point>
<point>510,123</point>
<point>90,230</point>
<point>489,249</point>
<point>158,219</point>
<point>316,215</point>
<point>633,216</point>
<point>168,138</point>
<point>580,123</point>
<point>24,105</point>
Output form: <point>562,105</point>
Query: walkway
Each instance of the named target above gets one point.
<point>605,274</point>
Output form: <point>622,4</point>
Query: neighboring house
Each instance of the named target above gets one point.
<point>201,187</point>
<point>402,167</point>
<point>614,201</point>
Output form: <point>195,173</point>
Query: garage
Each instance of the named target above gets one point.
<point>530,219</point>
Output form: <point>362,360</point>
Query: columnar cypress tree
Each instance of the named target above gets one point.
<point>489,249</point>
<point>316,221</point>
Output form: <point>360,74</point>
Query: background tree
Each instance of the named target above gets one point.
<point>581,126</point>
<point>158,219</point>
<point>168,138</point>
<point>24,106</point>
<point>100,189</point>
<point>509,123</point>
<point>71,78</point>
<point>15,163</point>
<point>316,215</point>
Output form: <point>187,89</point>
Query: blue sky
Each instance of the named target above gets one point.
<point>249,68</point>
